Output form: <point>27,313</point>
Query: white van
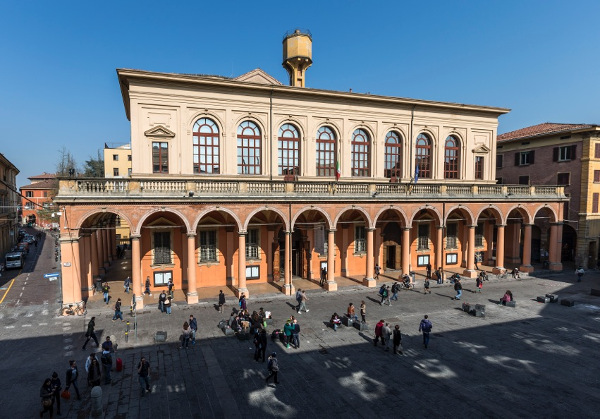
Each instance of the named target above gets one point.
<point>14,260</point>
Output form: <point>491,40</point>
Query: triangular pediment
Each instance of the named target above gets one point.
<point>258,76</point>
<point>481,149</point>
<point>162,222</point>
<point>159,131</point>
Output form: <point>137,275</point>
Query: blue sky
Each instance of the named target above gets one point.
<point>58,85</point>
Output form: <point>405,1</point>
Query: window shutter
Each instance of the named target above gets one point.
<point>597,151</point>
<point>574,152</point>
<point>595,204</point>
<point>596,176</point>
<point>517,155</point>
<point>555,154</point>
<point>531,157</point>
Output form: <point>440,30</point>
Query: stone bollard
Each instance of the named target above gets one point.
<point>96,411</point>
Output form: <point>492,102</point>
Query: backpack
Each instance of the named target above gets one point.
<point>273,365</point>
<point>385,292</point>
<point>382,290</point>
<point>427,326</point>
<point>106,359</point>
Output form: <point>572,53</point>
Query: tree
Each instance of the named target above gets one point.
<point>66,165</point>
<point>94,167</point>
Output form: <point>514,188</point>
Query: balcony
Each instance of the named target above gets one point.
<point>148,190</point>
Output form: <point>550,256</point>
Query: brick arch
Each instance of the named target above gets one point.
<point>216,209</point>
<point>549,208</point>
<point>400,211</point>
<point>426,207</point>
<point>164,209</point>
<point>523,211</point>
<point>355,208</point>
<point>266,208</point>
<point>462,208</point>
<point>497,213</point>
<point>311,208</point>
<point>105,210</point>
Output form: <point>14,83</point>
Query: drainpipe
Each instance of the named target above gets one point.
<point>410,154</point>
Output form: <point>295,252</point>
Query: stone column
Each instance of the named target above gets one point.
<point>87,263</point>
<point>331,284</point>
<point>192,294</point>
<point>288,287</point>
<point>71,270</point>
<point>136,271</point>
<point>470,271</point>
<point>369,281</point>
<point>94,255</point>
<point>405,250</point>
<point>555,247</point>
<point>230,278</point>
<point>499,249</point>
<point>344,251</point>
<point>439,254</point>
<point>526,262</point>
<point>242,264</point>
<point>113,241</point>
<point>270,236</point>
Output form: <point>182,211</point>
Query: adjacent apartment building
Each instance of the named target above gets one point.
<point>243,181</point>
<point>117,164</point>
<point>567,155</point>
<point>9,204</point>
<point>36,200</point>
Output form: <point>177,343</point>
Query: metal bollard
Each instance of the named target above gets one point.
<point>127,332</point>
<point>96,411</point>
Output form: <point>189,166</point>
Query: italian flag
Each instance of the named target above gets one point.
<point>338,171</point>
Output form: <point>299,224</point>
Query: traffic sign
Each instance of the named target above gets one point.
<point>52,275</point>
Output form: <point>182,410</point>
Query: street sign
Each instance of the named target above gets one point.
<point>52,275</point>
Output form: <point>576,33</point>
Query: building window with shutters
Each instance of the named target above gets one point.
<point>479,235</point>
<point>596,176</point>
<point>423,239</point>
<point>160,157</point>
<point>564,153</point>
<point>451,238</point>
<point>563,179</point>
<point>566,211</point>
<point>360,240</point>
<point>162,248</point>
<point>252,244</point>
<point>499,161</point>
<point>479,167</point>
<point>597,150</point>
<point>524,158</point>
<point>208,246</point>
<point>595,203</point>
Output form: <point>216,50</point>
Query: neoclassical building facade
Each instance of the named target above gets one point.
<point>246,180</point>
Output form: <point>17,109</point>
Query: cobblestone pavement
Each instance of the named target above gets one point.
<point>535,360</point>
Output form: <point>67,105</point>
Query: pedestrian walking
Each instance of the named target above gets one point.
<point>384,292</point>
<point>118,312</point>
<point>428,271</point>
<point>323,276</point>
<point>288,329</point>
<point>363,311</point>
<point>185,335</point>
<point>476,260</point>
<point>127,284</point>
<point>257,344</point>
<point>105,290</point>
<point>194,327</point>
<point>263,344</point>
<point>167,304</point>
<point>88,364</point>
<point>242,301</point>
<point>147,286</point>
<point>90,334</point>
<point>56,388</point>
<point>378,332</point>
<point>425,326</point>
<point>479,283</point>
<point>296,334</point>
<point>162,297</point>
<point>579,271</point>
<point>221,301</point>
<point>170,285</point>
<point>458,289</point>
<point>386,336</point>
<point>426,286</point>
<point>47,394</point>
<point>298,298</point>
<point>106,361</point>
<point>107,345</point>
<point>377,271</point>
<point>303,300</point>
<point>395,290</point>
<point>94,374</point>
<point>143,370</point>
<point>397,340</point>
<point>71,378</point>
<point>273,368</point>
<point>440,276</point>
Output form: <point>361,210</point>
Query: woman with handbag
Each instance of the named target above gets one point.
<point>47,394</point>
<point>56,387</point>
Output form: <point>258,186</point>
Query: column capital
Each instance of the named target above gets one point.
<point>191,234</point>
<point>528,224</point>
<point>472,226</point>
<point>242,233</point>
<point>501,225</point>
<point>370,229</point>
<point>558,223</point>
<point>406,228</point>
<point>135,236</point>
<point>332,230</point>
<point>441,227</point>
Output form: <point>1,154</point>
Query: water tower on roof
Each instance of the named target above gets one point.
<point>297,55</point>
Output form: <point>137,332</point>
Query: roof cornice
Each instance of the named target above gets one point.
<point>125,75</point>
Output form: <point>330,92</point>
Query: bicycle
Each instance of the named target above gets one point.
<point>503,274</point>
<point>78,310</point>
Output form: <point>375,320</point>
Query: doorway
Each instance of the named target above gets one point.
<point>390,262</point>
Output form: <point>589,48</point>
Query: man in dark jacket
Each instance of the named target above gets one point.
<point>56,387</point>
<point>379,333</point>
<point>90,333</point>
<point>397,340</point>
<point>194,326</point>
<point>458,289</point>
<point>71,377</point>
<point>221,301</point>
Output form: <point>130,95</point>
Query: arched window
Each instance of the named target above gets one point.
<point>361,153</point>
<point>326,151</point>
<point>423,156</point>
<point>451,158</point>
<point>206,146</point>
<point>393,155</point>
<point>248,149</point>
<point>288,153</point>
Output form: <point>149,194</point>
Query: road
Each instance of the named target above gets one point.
<point>535,360</point>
